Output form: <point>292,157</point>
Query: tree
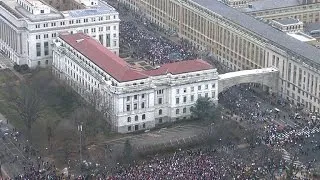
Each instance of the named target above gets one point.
<point>127,152</point>
<point>203,109</point>
<point>28,105</point>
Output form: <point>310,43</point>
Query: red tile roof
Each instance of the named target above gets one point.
<point>180,67</point>
<point>118,68</point>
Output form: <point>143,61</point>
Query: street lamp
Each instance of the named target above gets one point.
<point>80,130</point>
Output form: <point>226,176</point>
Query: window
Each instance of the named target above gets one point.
<point>177,100</point>
<point>38,49</point>
<point>192,98</point>
<point>129,128</point>
<point>143,116</point>
<point>160,111</point>
<point>129,119</point>
<point>41,11</point>
<point>54,35</point>
<point>142,105</point>
<point>136,118</point>
<point>128,107</point>
<point>135,97</point>
<point>142,96</point>
<point>114,27</point>
<point>38,36</point>
<point>114,43</point>
<point>47,62</point>
<point>160,91</point>
<point>46,48</point>
<point>85,20</point>
<point>135,106</point>
<point>177,91</point>
<point>177,111</point>
<point>114,35</point>
<point>45,25</point>
<point>107,28</point>
<point>62,23</point>
<point>213,86</point>
<point>159,100</point>
<point>93,30</point>
<point>185,99</point>
<point>206,95</point>
<point>101,38</point>
<point>184,110</point>
<point>37,25</point>
<point>128,98</point>
<point>46,36</point>
<point>100,29</point>
<point>39,63</point>
<point>207,86</point>
<point>192,89</point>
<point>213,94</point>
<point>160,120</point>
<point>185,90</point>
<point>86,31</point>
<point>199,88</point>
<point>143,125</point>
<point>199,96</point>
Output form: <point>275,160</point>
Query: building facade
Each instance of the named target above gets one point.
<point>305,11</point>
<point>28,27</point>
<point>240,41</point>
<point>135,99</point>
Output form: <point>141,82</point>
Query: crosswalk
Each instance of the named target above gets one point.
<point>301,132</point>
<point>288,158</point>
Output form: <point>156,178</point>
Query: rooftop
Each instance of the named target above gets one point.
<point>118,68</point>
<point>259,28</point>
<point>301,37</point>
<point>312,28</point>
<point>261,5</point>
<point>65,5</point>
<point>287,21</point>
<point>18,11</point>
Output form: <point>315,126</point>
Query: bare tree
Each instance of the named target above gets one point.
<point>28,105</point>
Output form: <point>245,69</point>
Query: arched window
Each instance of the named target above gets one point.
<point>136,118</point>
<point>143,116</point>
<point>129,119</point>
<point>160,111</point>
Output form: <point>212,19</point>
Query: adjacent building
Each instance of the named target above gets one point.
<point>134,99</point>
<point>241,41</point>
<point>28,27</point>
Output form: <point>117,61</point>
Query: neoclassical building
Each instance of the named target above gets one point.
<point>135,99</point>
<point>28,27</point>
<point>241,41</point>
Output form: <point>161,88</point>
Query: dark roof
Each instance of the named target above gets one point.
<point>118,68</point>
<point>261,5</point>
<point>275,36</point>
<point>287,21</point>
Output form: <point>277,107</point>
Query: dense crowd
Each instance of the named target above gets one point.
<point>152,47</point>
<point>202,164</point>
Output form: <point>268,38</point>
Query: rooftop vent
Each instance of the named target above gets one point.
<point>79,40</point>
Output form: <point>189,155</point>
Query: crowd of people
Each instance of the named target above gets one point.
<point>152,47</point>
<point>202,164</point>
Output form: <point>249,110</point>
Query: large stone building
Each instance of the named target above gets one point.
<point>307,11</point>
<point>27,27</point>
<point>241,42</point>
<point>135,99</point>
